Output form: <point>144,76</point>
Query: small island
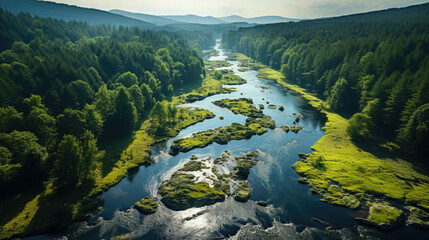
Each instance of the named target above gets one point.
<point>200,183</point>
<point>146,206</point>
<point>256,124</point>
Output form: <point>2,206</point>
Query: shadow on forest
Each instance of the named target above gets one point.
<point>12,204</point>
<point>380,148</point>
<point>113,149</point>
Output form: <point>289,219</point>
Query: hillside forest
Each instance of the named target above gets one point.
<point>66,87</point>
<point>371,67</point>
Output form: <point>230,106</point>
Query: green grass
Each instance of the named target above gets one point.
<point>227,77</point>
<point>245,61</point>
<point>355,170</point>
<point>242,192</point>
<point>221,135</point>
<point>216,64</point>
<point>255,124</point>
<point>243,106</point>
<point>210,86</point>
<point>418,217</point>
<point>147,205</point>
<point>181,192</point>
<point>384,216</point>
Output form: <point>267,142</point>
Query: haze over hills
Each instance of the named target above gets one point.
<point>190,18</point>
<point>258,20</point>
<point>70,13</point>
<point>160,21</point>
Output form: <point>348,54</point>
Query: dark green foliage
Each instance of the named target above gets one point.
<point>127,79</point>
<point>66,85</point>
<point>360,126</point>
<point>415,134</point>
<point>159,114</point>
<point>90,159</point>
<point>76,160</point>
<point>124,118</point>
<point>10,119</point>
<point>375,63</point>
<point>71,122</point>
<point>24,148</point>
<point>66,166</point>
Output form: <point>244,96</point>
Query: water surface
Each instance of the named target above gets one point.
<point>291,205</point>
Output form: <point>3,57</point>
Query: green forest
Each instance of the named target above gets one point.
<point>372,67</point>
<point>67,87</point>
<point>86,108</point>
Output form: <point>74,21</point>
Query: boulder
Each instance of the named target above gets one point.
<point>242,192</point>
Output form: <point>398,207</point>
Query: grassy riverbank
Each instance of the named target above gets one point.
<point>43,210</point>
<point>343,173</point>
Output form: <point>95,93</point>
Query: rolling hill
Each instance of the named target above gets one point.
<point>157,20</point>
<point>70,13</point>
<point>257,20</point>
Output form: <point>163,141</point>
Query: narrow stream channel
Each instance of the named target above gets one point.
<point>291,206</point>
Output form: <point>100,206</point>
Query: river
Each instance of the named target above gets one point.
<point>291,205</point>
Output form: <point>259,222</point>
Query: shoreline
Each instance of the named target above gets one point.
<point>346,175</point>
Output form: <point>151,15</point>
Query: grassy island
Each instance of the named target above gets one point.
<point>383,216</point>
<point>146,206</point>
<point>255,125</point>
<point>183,190</point>
<point>243,106</point>
<point>227,77</point>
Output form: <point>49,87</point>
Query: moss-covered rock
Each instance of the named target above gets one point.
<point>194,157</point>
<point>182,192</point>
<point>223,158</point>
<point>242,192</point>
<point>383,216</point>
<point>262,203</point>
<point>261,106</point>
<point>281,108</point>
<point>192,166</point>
<point>303,180</point>
<point>418,217</point>
<point>241,170</point>
<point>272,106</point>
<point>294,129</point>
<point>146,206</point>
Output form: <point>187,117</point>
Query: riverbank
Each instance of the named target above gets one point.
<point>45,211</point>
<point>346,175</point>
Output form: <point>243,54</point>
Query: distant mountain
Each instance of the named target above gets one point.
<point>258,20</point>
<point>215,30</point>
<point>194,19</point>
<point>160,21</point>
<point>69,13</point>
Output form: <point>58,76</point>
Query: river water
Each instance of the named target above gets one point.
<point>291,206</point>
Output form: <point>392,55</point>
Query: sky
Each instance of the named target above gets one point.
<point>247,8</point>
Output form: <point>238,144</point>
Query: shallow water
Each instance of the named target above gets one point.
<point>291,205</point>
